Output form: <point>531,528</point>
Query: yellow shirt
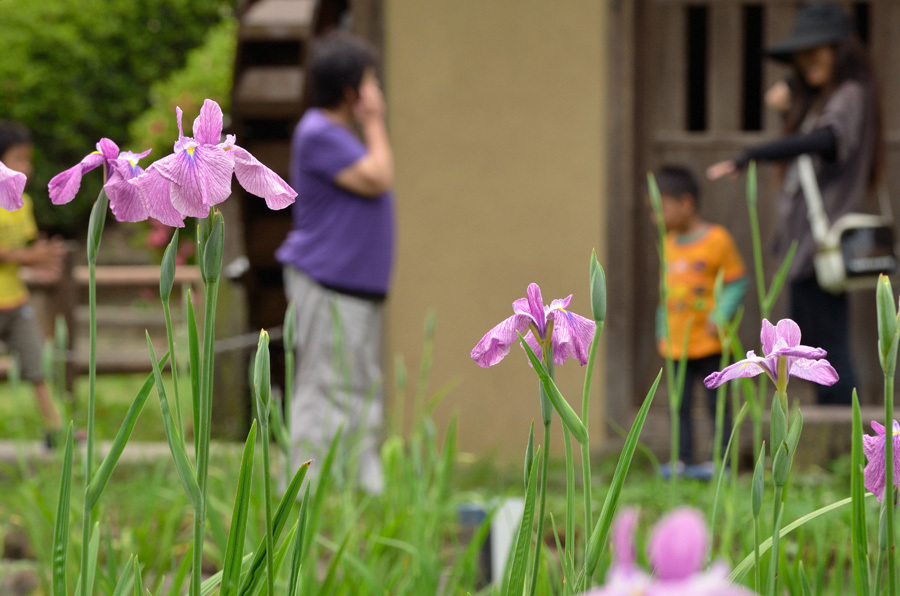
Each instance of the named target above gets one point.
<point>691,269</point>
<point>17,229</point>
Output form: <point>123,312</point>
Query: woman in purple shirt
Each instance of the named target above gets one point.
<point>338,256</point>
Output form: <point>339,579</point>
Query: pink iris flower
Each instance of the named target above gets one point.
<point>198,174</point>
<point>120,167</point>
<point>779,341</point>
<point>12,185</point>
<point>876,470</point>
<point>676,551</point>
<point>570,334</point>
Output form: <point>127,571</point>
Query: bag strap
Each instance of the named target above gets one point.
<point>815,211</point>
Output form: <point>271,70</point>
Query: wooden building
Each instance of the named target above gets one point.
<point>522,132</point>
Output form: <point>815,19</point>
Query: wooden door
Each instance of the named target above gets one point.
<point>686,86</point>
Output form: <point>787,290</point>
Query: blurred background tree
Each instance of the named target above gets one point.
<point>77,70</point>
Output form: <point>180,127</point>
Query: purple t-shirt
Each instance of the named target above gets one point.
<point>340,239</point>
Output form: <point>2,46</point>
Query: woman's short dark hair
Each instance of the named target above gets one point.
<point>675,181</point>
<point>338,63</point>
<point>13,133</point>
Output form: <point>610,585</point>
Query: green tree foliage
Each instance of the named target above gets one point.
<point>207,74</point>
<point>76,70</point>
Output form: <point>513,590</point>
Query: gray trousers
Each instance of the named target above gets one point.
<point>338,379</point>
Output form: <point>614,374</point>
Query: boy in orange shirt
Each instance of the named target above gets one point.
<point>696,251</point>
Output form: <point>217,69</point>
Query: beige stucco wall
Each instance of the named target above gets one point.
<point>496,112</point>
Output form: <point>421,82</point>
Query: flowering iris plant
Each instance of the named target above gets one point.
<point>874,449</point>
<point>784,356</point>
<point>198,174</point>
<point>119,168</point>
<point>570,334</point>
<point>676,551</point>
<point>12,184</point>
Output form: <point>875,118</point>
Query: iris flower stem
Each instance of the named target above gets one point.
<point>270,541</point>
<point>547,412</point>
<point>586,446</point>
<point>888,501</point>
<point>203,428</point>
<point>89,454</point>
<point>776,531</point>
<point>757,572</point>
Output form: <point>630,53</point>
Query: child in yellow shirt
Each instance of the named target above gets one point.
<point>21,245</point>
<point>696,251</point>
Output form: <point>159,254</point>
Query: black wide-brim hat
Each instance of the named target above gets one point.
<point>814,25</point>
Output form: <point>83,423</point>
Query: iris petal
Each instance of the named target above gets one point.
<point>495,344</point>
<point>155,195</point>
<point>208,125</point>
<point>739,370</point>
<point>124,198</point>
<point>572,335</point>
<point>678,545</point>
<point>64,186</point>
<point>817,371</point>
<point>261,181</point>
<point>12,185</point>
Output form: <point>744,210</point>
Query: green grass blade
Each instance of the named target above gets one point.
<point>744,566</point>
<point>858,538</point>
<point>176,445</point>
<point>297,554</point>
<point>324,482</point>
<point>101,477</point>
<point>601,529</point>
<point>518,571</point>
<point>231,570</point>
<point>567,563</point>
<point>124,578</point>
<point>61,526</point>
<point>138,580</point>
<point>805,588</point>
<point>257,569</point>
<point>780,277</point>
<point>720,472</point>
<point>93,549</point>
<point>336,559</point>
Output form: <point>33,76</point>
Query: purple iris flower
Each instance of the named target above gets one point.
<point>876,470</point>
<point>198,174</point>
<point>570,334</point>
<point>12,185</point>
<point>780,341</point>
<point>120,167</point>
<point>676,552</point>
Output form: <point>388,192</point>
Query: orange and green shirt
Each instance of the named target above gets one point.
<point>17,230</point>
<point>692,264</point>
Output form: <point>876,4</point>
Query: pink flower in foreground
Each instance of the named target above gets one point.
<point>876,470</point>
<point>120,166</point>
<point>569,333</point>
<point>781,341</point>
<point>12,185</point>
<point>198,174</point>
<point>676,551</point>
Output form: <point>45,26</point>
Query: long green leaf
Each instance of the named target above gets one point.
<point>124,578</point>
<point>858,538</point>
<point>744,566</point>
<point>176,445</point>
<point>101,477</point>
<point>562,407</point>
<point>194,356</point>
<point>257,567</point>
<point>93,549</point>
<point>780,277</point>
<point>322,488</point>
<point>231,570</point>
<point>138,580</point>
<point>61,526</point>
<point>297,555</point>
<point>598,536</point>
<point>518,571</point>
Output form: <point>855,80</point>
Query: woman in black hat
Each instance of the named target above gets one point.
<point>831,112</point>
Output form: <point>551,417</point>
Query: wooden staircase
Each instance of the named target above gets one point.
<point>267,101</point>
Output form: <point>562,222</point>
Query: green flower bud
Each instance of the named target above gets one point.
<point>781,467</point>
<point>95,225</point>
<point>756,488</point>
<point>598,289</point>
<point>167,268</point>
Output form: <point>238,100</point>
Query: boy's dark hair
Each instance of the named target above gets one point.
<point>13,133</point>
<point>676,181</point>
<point>338,62</point>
